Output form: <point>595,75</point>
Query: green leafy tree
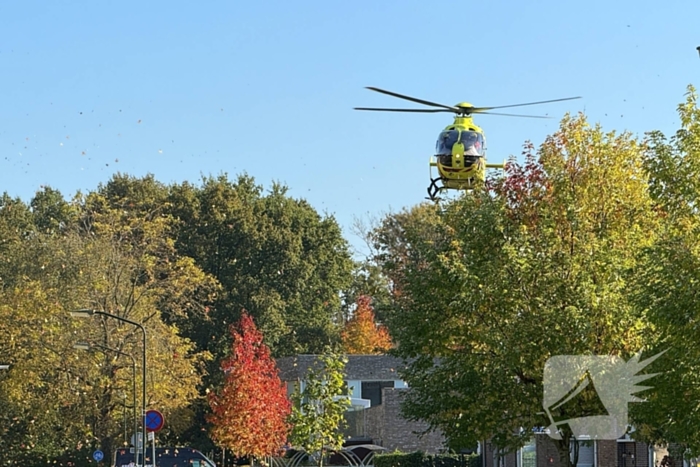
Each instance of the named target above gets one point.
<point>494,284</point>
<point>275,256</point>
<point>15,225</point>
<point>668,284</point>
<point>109,261</point>
<point>43,407</point>
<point>51,212</point>
<point>319,406</point>
<point>368,278</point>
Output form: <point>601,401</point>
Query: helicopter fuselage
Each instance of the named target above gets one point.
<point>460,154</point>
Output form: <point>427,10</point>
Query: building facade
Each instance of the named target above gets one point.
<point>376,390</point>
<point>542,452</point>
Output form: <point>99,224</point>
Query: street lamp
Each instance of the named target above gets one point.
<point>87,346</point>
<point>88,313</point>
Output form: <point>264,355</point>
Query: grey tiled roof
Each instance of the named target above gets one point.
<point>358,367</point>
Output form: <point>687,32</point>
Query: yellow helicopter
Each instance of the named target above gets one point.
<point>460,151</point>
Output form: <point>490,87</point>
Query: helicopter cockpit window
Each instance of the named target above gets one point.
<point>473,143</point>
<point>445,141</point>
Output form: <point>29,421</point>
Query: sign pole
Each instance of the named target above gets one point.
<point>154,421</point>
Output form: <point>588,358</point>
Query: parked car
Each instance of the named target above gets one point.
<point>165,457</point>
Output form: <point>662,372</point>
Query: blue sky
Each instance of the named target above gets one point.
<point>185,89</point>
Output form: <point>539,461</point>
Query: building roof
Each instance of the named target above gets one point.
<point>358,367</point>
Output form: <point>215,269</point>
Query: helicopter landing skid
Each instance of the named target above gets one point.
<point>434,189</point>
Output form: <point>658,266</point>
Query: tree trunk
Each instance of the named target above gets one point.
<point>102,435</point>
<point>564,450</point>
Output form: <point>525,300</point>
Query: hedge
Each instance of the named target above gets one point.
<point>419,459</point>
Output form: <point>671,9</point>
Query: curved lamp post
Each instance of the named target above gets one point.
<point>87,314</point>
<point>89,347</point>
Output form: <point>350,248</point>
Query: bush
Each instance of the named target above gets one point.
<point>419,459</point>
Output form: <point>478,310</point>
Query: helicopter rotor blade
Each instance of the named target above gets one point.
<point>511,115</point>
<point>413,99</point>
<point>479,109</point>
<point>404,110</point>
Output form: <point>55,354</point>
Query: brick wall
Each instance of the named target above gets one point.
<point>388,428</point>
<point>606,453</point>
<point>486,454</point>
<point>546,449</point>
<point>641,455</point>
<point>490,459</point>
<point>374,423</point>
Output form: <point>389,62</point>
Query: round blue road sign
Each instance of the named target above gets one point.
<point>98,455</point>
<point>154,420</point>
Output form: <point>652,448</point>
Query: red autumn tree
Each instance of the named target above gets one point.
<point>361,334</point>
<point>249,413</point>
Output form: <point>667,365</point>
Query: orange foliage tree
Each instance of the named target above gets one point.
<point>249,414</point>
<point>361,334</point>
